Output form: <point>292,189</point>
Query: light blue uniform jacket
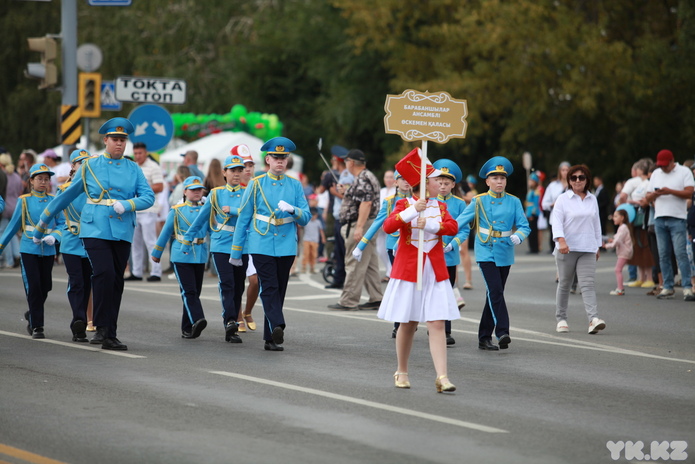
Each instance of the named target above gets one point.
<point>498,214</point>
<point>260,201</point>
<point>25,218</point>
<point>71,243</point>
<point>213,220</point>
<point>178,221</point>
<point>455,205</point>
<point>106,180</point>
<point>387,207</point>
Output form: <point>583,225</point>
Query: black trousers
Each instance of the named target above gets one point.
<point>232,281</point>
<point>108,259</point>
<point>338,255</point>
<point>190,277</point>
<point>273,274</point>
<point>79,285</point>
<point>36,271</point>
<point>495,316</point>
<point>452,281</point>
<point>533,244</point>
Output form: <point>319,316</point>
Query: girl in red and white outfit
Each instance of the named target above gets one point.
<point>436,302</point>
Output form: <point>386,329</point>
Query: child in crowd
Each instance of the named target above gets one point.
<point>313,234</point>
<point>622,242</point>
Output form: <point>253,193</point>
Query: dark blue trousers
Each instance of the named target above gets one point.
<point>452,280</point>
<point>338,255</point>
<point>232,281</point>
<point>273,275</point>
<point>36,272</point>
<point>108,259</point>
<point>79,285</point>
<point>190,277</point>
<point>495,317</point>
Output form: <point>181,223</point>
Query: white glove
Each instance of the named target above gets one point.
<point>118,207</point>
<point>515,239</point>
<point>235,262</point>
<point>49,240</point>
<point>286,207</point>
<point>357,254</point>
<point>36,240</point>
<point>203,200</point>
<point>448,248</point>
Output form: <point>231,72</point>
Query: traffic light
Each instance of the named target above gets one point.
<point>90,94</point>
<point>46,70</point>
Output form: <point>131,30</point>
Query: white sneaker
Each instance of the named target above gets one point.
<point>595,325</point>
<point>618,292</point>
<point>688,295</point>
<point>666,294</point>
<point>562,327</point>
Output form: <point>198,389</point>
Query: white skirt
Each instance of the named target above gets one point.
<point>403,302</point>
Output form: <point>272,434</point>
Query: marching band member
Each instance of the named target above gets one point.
<point>75,257</point>
<point>115,188</point>
<point>272,206</point>
<point>37,255</point>
<point>218,217</point>
<point>495,215</point>
<point>189,267</point>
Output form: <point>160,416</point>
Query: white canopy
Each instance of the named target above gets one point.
<point>214,146</point>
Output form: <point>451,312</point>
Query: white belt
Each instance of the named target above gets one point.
<point>32,229</point>
<point>197,241</point>
<point>495,233</point>
<point>106,201</point>
<point>221,226</point>
<point>274,221</point>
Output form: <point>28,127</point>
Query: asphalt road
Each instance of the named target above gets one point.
<point>329,397</point>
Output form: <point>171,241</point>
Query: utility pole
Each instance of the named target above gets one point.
<point>68,26</point>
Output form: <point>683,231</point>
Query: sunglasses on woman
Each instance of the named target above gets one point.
<point>577,178</point>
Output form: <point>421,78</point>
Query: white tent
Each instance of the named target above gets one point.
<point>215,146</point>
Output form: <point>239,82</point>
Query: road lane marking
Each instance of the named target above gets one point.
<point>26,455</point>
<point>367,403</point>
<point>80,346</point>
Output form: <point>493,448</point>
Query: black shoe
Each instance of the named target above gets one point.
<point>98,338</point>
<point>272,346</point>
<point>504,341</point>
<point>334,285</point>
<point>79,331</point>
<point>370,305</point>
<point>487,345</point>
<point>153,279</point>
<point>26,317</point>
<point>278,335</point>
<point>393,334</point>
<point>113,344</point>
<point>230,330</point>
<point>38,333</point>
<point>198,327</point>
<point>132,277</point>
<point>340,307</point>
<point>234,338</point>
<point>450,340</point>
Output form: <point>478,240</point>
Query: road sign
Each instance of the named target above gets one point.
<point>108,97</point>
<point>110,2</point>
<point>89,57</point>
<point>153,126</point>
<point>150,90</point>
<point>425,116</point>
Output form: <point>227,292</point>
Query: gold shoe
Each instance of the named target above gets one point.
<point>444,387</point>
<point>241,326</point>
<point>90,327</point>
<point>250,324</point>
<point>405,384</point>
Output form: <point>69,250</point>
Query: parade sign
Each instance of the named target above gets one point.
<point>425,116</point>
<point>150,90</point>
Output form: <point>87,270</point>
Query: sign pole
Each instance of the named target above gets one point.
<point>423,194</point>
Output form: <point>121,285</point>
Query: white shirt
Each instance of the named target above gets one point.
<point>153,174</point>
<point>635,188</point>
<point>577,221</point>
<point>679,178</point>
<point>386,192</point>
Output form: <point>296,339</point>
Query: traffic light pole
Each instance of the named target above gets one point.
<point>68,25</point>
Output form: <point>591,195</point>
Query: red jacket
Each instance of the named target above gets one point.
<point>405,263</point>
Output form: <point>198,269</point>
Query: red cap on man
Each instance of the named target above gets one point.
<point>664,158</point>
